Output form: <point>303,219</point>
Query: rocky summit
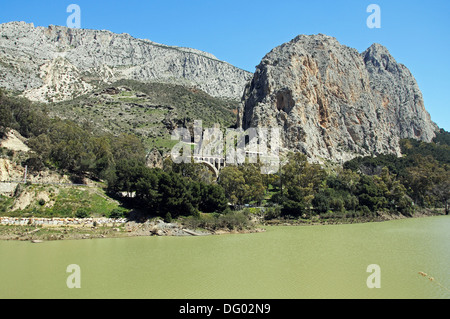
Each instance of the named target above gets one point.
<point>334,103</point>
<point>59,63</point>
<point>331,101</point>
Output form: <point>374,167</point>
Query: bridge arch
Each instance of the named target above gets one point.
<point>211,167</point>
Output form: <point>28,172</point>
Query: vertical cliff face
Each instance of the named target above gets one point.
<point>334,103</point>
<point>57,63</point>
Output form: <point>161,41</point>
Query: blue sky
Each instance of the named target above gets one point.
<point>241,32</point>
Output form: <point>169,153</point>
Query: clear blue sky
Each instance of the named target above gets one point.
<point>241,32</point>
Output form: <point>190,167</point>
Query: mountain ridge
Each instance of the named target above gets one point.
<point>31,59</point>
<point>332,102</point>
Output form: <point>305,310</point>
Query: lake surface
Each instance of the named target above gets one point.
<point>284,262</point>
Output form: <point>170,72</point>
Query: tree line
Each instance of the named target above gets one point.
<point>65,145</point>
<point>361,187</point>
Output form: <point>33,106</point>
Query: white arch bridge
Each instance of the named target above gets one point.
<point>214,163</point>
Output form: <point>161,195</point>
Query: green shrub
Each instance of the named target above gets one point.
<point>233,220</point>
<point>273,212</point>
<point>82,213</point>
<point>365,211</point>
<point>117,213</point>
<point>168,218</point>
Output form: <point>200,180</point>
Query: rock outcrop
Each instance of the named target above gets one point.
<point>14,141</point>
<point>154,159</point>
<point>334,103</point>
<point>58,63</point>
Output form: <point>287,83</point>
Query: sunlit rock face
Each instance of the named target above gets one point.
<point>58,63</point>
<point>334,103</point>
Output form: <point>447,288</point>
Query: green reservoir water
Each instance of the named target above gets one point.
<point>284,262</point>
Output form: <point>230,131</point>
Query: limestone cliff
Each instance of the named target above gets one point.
<point>58,63</point>
<point>334,103</point>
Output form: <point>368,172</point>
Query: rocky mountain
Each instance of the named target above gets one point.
<point>334,103</point>
<point>58,63</point>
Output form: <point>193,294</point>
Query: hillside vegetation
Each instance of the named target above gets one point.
<point>150,111</point>
<point>366,188</point>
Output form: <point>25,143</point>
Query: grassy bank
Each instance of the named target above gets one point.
<point>57,201</point>
<point>206,224</point>
<point>349,218</point>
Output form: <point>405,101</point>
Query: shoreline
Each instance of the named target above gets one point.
<point>53,229</point>
<point>379,218</point>
<point>91,228</point>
